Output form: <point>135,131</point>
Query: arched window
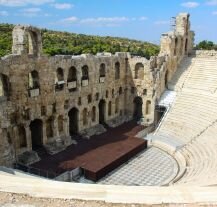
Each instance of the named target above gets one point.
<point>72,75</point>
<point>117,70</point>
<point>116,105</point>
<point>34,80</point>
<point>102,70</point>
<point>60,74</point>
<point>60,124</point>
<point>110,108</point>
<point>4,85</point>
<point>49,128</point>
<point>148,107</point>
<point>120,90</point>
<point>22,137</point>
<point>93,114</point>
<point>59,79</point>
<point>85,73</point>
<point>85,115</point>
<point>139,71</point>
<point>145,92</point>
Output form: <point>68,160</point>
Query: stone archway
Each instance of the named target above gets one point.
<point>36,128</point>
<point>102,111</point>
<point>73,121</point>
<point>138,108</point>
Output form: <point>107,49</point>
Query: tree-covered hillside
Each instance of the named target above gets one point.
<point>74,44</point>
<point>206,45</point>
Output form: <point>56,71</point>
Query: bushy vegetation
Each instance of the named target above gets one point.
<point>75,44</point>
<point>206,45</point>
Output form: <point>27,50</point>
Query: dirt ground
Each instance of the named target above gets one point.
<point>19,200</point>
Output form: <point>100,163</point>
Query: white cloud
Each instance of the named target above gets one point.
<point>30,12</point>
<point>162,22</point>
<point>104,20</point>
<point>212,2</point>
<point>190,4</point>
<point>143,18</point>
<point>17,3</point>
<point>101,21</point>
<point>63,6</point>
<point>4,13</point>
<point>214,13</point>
<point>70,20</point>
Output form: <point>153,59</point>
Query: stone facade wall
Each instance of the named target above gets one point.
<point>49,96</point>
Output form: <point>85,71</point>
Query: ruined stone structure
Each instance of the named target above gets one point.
<point>46,100</point>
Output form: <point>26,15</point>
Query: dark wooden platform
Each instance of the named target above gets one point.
<point>99,155</point>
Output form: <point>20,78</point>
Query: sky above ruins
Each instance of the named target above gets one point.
<point>137,19</point>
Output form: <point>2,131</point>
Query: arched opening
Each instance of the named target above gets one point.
<point>138,108</point>
<point>72,79</point>
<point>102,111</point>
<point>22,137</point>
<point>49,128</point>
<point>145,92</point>
<point>139,71</point>
<point>59,79</point>
<point>72,75</point>
<point>110,108</point>
<point>148,107</point>
<point>120,90</point>
<point>85,117</point>
<point>32,44</point>
<point>36,128</point>
<point>93,114</point>
<point>117,70</point>
<point>34,80</point>
<point>73,121</point>
<point>4,85</point>
<point>85,76</point>
<point>102,71</point>
<point>60,125</point>
<point>85,73</point>
<point>116,105</point>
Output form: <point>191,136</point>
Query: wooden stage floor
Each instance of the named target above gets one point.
<point>99,155</point>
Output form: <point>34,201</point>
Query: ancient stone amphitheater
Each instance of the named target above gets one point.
<point>45,100</point>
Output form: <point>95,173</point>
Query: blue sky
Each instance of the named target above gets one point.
<point>137,19</point>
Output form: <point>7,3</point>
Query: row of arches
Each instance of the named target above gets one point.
<point>183,42</point>
<point>34,82</point>
<point>138,108</point>
<point>39,127</point>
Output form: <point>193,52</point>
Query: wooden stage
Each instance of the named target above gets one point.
<point>99,155</point>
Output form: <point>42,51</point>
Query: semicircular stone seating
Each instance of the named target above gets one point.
<point>192,120</point>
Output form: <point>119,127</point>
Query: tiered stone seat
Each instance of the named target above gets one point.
<point>201,159</point>
<point>189,116</point>
<point>192,120</point>
<point>181,74</point>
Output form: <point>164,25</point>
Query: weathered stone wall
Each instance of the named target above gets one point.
<point>45,99</point>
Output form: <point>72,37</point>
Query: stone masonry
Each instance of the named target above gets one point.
<point>44,100</point>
